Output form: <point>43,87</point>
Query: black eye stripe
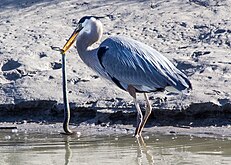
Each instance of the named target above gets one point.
<point>84,18</point>
<point>88,17</point>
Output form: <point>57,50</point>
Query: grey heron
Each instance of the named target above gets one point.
<point>131,65</point>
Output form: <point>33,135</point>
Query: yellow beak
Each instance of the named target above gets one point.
<point>71,40</point>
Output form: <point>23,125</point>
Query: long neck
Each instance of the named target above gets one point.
<point>87,37</point>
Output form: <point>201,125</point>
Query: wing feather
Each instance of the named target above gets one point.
<point>132,62</point>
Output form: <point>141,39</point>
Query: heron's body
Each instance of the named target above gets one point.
<point>130,64</point>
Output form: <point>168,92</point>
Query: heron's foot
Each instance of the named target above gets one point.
<point>138,129</point>
<point>137,135</point>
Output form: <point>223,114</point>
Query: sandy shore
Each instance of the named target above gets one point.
<point>195,35</point>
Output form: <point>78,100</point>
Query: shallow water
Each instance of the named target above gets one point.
<point>25,148</point>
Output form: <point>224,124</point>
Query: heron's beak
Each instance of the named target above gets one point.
<point>72,38</point>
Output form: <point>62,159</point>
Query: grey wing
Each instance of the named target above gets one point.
<point>129,62</point>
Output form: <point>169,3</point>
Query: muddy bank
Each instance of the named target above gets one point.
<point>204,120</point>
<point>197,113</point>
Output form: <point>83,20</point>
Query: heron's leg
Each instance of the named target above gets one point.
<point>132,92</point>
<point>148,111</point>
<point>139,119</point>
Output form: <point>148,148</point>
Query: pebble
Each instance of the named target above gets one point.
<point>7,137</point>
<point>14,130</point>
<point>146,137</point>
<point>78,134</point>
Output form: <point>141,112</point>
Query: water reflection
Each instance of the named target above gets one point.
<point>25,148</point>
<point>68,152</point>
<point>143,150</point>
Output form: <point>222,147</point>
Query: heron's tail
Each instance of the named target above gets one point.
<point>184,85</point>
<point>187,84</point>
<point>181,84</point>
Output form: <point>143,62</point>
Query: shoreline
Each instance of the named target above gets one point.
<point>213,121</point>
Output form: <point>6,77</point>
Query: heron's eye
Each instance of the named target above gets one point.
<point>80,26</point>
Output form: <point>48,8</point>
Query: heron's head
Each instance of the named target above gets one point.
<point>85,25</point>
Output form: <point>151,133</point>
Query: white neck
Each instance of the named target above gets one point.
<point>91,33</point>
